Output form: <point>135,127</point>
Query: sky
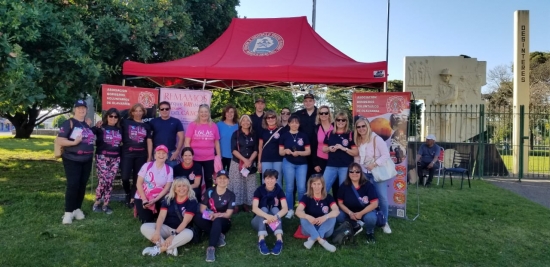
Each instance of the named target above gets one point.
<point>481,29</point>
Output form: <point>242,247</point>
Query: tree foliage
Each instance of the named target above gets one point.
<point>59,120</point>
<point>53,52</point>
<point>275,99</point>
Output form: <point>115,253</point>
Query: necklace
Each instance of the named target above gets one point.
<point>316,201</point>
<point>220,196</point>
<point>294,136</point>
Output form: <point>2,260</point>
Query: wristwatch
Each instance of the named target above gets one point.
<point>174,233</point>
<point>278,217</point>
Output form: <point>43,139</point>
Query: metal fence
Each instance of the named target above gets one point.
<point>486,133</point>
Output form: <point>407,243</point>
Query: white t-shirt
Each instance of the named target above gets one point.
<point>154,179</point>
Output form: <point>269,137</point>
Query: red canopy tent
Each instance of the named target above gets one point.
<point>260,52</point>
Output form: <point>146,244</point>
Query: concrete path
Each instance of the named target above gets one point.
<point>537,191</point>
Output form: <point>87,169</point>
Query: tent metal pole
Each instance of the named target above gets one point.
<point>313,16</point>
<point>387,45</point>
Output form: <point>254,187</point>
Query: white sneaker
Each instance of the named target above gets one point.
<point>386,229</point>
<point>151,251</point>
<point>173,252</point>
<point>68,218</point>
<point>289,214</point>
<point>78,214</point>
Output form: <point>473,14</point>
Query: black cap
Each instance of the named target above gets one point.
<point>222,172</point>
<point>306,96</point>
<point>80,103</point>
<point>259,99</point>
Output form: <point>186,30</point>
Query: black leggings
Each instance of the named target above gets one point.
<point>146,215</point>
<point>77,174</point>
<point>129,168</point>
<point>213,228</point>
<point>207,171</point>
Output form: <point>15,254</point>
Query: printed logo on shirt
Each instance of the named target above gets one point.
<point>62,130</point>
<point>300,142</point>
<point>345,142</point>
<point>88,136</point>
<point>150,183</point>
<point>112,137</point>
<point>276,200</point>
<point>224,202</point>
<point>182,211</point>
<point>203,135</point>
<point>276,135</point>
<point>325,209</point>
<point>137,133</point>
<point>364,199</point>
<point>191,177</point>
<point>232,204</point>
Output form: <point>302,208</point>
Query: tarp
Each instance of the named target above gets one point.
<point>268,50</point>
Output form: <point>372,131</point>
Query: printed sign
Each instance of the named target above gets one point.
<point>124,97</point>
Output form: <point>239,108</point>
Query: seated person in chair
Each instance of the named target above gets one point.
<point>427,158</point>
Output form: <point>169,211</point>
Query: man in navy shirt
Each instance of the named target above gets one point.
<point>427,158</point>
<point>168,131</point>
<point>258,116</point>
<point>307,125</point>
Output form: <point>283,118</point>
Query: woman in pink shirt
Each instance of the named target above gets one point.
<point>203,136</point>
<point>324,125</point>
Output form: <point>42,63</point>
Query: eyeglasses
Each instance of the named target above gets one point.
<point>361,126</point>
<point>113,116</point>
<point>285,113</point>
<point>323,113</point>
<point>354,171</point>
<point>270,118</point>
<point>203,105</point>
<point>164,109</point>
<point>341,120</point>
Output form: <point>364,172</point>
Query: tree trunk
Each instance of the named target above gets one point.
<point>24,122</point>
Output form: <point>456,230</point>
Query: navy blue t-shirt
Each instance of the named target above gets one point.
<point>295,142</point>
<point>109,139</point>
<point>134,138</point>
<point>192,173</point>
<point>186,207</point>
<point>270,152</point>
<point>165,132</point>
<point>317,207</point>
<point>84,151</point>
<point>271,198</point>
<point>244,144</point>
<point>220,203</point>
<point>367,193</point>
<point>257,123</point>
<point>339,158</point>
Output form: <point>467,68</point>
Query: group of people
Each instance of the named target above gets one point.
<point>307,154</point>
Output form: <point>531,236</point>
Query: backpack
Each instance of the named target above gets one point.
<point>343,234</point>
<point>57,148</point>
<point>165,165</point>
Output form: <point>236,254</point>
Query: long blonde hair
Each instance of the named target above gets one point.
<point>312,179</point>
<point>359,139</point>
<point>345,116</point>
<point>180,181</point>
<point>198,120</point>
<point>318,118</point>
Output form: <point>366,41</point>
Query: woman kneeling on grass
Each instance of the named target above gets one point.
<point>172,229</point>
<point>154,181</point>
<point>269,205</point>
<point>216,210</point>
<point>313,211</point>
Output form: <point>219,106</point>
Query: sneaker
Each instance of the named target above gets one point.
<point>96,208</point>
<point>263,247</point>
<point>357,229</point>
<point>328,246</point>
<point>173,252</point>
<point>309,243</point>
<point>386,229</point>
<point>78,214</point>
<point>107,210</point>
<point>151,251</point>
<point>68,218</point>
<point>210,254</point>
<point>277,248</point>
<point>370,238</point>
<point>289,214</point>
<point>221,241</point>
<point>128,202</point>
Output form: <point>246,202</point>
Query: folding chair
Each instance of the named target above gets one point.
<point>461,165</point>
<point>441,168</point>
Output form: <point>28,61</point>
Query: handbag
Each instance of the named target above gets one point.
<point>385,171</point>
<point>58,148</point>
<point>380,218</point>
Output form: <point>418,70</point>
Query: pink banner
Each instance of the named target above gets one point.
<point>185,103</point>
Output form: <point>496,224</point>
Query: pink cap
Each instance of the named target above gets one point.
<point>161,147</point>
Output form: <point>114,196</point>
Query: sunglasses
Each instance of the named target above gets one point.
<point>164,109</point>
<point>316,175</point>
<point>203,105</point>
<point>341,120</point>
<point>323,113</point>
<point>361,126</point>
<point>113,116</point>
<point>270,118</point>
<point>285,113</point>
<point>354,171</point>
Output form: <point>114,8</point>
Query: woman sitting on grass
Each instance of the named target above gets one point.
<point>216,210</point>
<point>154,181</point>
<point>172,229</point>
<point>269,205</point>
<point>313,211</point>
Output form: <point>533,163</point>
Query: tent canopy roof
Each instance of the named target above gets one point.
<point>273,51</point>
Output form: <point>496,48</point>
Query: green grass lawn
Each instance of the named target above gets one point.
<point>537,164</point>
<point>481,226</point>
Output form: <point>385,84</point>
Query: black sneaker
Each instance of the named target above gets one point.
<point>370,238</point>
<point>107,209</point>
<point>129,202</point>
<point>96,208</point>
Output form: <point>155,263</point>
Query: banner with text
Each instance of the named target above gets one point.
<point>388,114</point>
<point>124,97</point>
<point>185,103</point>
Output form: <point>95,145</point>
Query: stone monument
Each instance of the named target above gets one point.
<point>452,86</point>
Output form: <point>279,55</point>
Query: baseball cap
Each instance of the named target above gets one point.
<point>161,147</point>
<point>80,103</point>
<point>222,172</point>
<point>306,96</point>
<point>430,137</point>
<point>260,99</point>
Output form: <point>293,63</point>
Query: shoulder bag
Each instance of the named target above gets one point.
<point>58,148</point>
<point>380,218</point>
<point>385,171</point>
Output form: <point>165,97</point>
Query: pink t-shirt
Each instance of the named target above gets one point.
<point>320,139</point>
<point>203,137</point>
<point>154,179</point>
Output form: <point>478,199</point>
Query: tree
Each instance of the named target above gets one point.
<point>59,120</point>
<point>53,52</point>
<point>275,100</point>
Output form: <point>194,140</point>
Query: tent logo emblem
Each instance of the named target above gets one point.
<point>263,44</point>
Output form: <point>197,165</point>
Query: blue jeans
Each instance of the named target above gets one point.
<point>315,231</point>
<point>382,192</point>
<point>294,172</point>
<point>369,219</point>
<point>331,173</point>
<point>278,166</point>
<point>259,225</point>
